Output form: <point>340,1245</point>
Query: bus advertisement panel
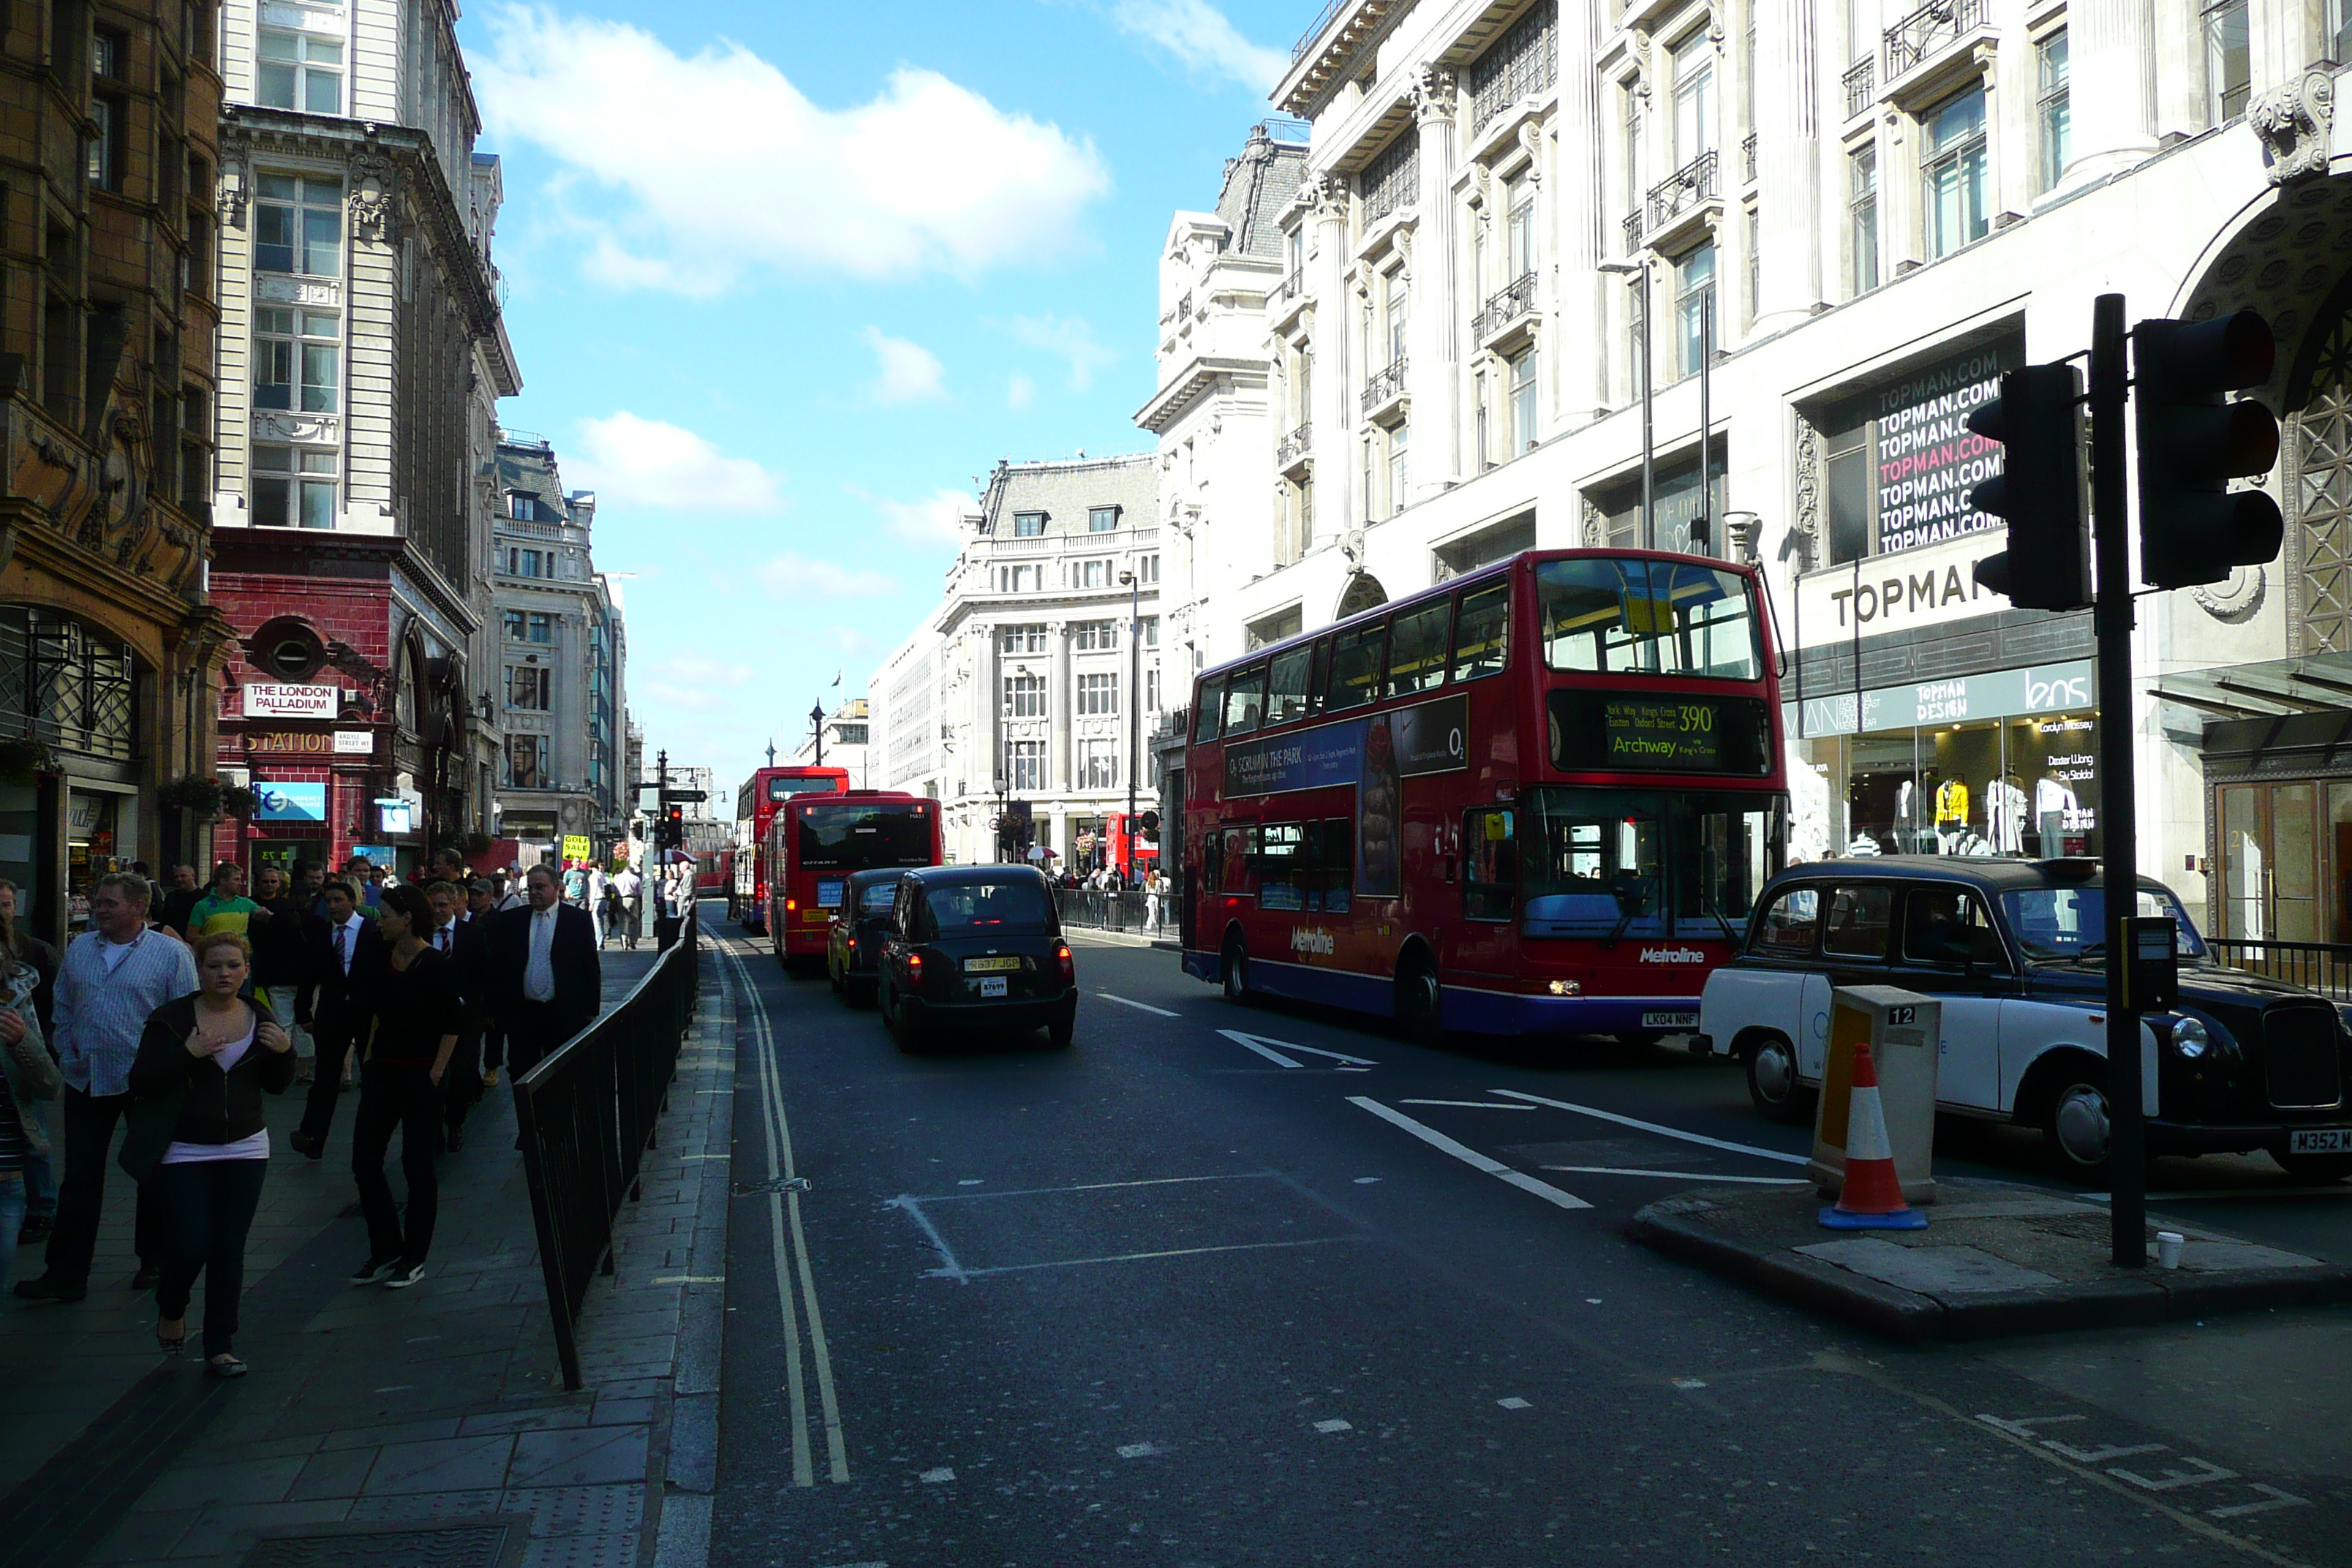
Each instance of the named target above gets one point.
<point>817,841</point>
<point>1540,797</point>
<point>755,807</point>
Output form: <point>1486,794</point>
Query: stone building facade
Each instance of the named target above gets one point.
<point>1822,232</point>
<point>109,318</point>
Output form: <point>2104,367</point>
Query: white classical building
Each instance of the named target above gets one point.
<point>1026,673</point>
<point>1823,230</point>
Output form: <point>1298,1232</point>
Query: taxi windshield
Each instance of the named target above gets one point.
<point>877,898</point>
<point>2054,925</point>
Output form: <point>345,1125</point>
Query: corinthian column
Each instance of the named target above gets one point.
<point>1787,165</point>
<point>1581,339</point>
<point>1335,503</point>
<point>2110,86</point>
<point>1435,373</point>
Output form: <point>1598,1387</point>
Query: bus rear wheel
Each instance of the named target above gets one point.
<point>1420,1002</point>
<point>1237,965</point>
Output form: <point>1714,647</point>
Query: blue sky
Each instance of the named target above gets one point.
<point>784,280</point>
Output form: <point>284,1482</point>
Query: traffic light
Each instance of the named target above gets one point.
<point>2038,421</point>
<point>2192,442</point>
<point>673,826</point>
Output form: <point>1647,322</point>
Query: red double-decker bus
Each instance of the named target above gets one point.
<point>1540,799</point>
<point>817,841</point>
<point>755,808</point>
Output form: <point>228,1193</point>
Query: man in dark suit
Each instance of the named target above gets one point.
<point>456,933</point>
<point>345,954</point>
<point>545,975</point>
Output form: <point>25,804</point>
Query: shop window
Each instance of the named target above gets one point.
<point>1860,921</point>
<point>1490,864</point>
<point>1790,925</point>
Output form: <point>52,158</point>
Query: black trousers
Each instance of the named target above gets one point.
<point>535,1030</point>
<point>493,1047</point>
<point>461,1085</point>
<point>208,1208</point>
<point>393,1096</point>
<point>334,1038</point>
<point>87,1126</point>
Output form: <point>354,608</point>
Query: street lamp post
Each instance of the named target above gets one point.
<point>1134,701</point>
<point>816,722</point>
<point>999,783</point>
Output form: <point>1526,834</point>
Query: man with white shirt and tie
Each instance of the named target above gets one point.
<point>546,977</point>
<point>345,953</point>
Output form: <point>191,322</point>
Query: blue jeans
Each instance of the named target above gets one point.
<point>12,1219</point>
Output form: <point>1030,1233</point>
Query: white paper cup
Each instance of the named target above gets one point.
<point>2169,1243</point>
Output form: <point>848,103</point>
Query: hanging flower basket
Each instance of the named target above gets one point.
<point>236,800</point>
<point>193,793</point>
<point>477,844</point>
<point>23,757</point>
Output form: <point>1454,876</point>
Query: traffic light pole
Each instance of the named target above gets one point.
<point>2113,618</point>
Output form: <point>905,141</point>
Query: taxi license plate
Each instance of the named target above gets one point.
<point>2320,1140</point>
<point>990,965</point>
<point>1670,1020</point>
<point>991,986</point>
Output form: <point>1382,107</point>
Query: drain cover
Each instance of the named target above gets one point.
<point>479,1544</point>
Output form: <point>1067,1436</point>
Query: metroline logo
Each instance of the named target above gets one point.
<point>1305,940</point>
<point>1673,955</point>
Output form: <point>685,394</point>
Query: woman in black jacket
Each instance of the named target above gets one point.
<point>196,1132</point>
<point>411,1037</point>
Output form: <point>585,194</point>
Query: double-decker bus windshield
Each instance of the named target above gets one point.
<point>1626,616</point>
<point>852,837</point>
<point>1642,863</point>
<point>785,788</point>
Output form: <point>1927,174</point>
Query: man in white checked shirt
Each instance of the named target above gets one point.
<point>112,976</point>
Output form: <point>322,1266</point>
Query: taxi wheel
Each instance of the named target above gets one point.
<point>1062,1030</point>
<point>2075,1124</point>
<point>1772,1084</point>
<point>895,1019</point>
<point>833,977</point>
<point>2316,1169</point>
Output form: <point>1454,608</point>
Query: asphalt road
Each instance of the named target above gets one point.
<point>1323,1296</point>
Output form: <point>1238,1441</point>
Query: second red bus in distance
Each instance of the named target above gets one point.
<point>815,841</point>
<point>755,807</point>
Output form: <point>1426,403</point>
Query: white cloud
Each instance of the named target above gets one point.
<point>1203,40</point>
<point>800,575</point>
<point>937,518</point>
<point>904,372</point>
<point>1020,393</point>
<point>1067,338</point>
<point>689,681</point>
<point>649,462</point>
<point>719,166</point>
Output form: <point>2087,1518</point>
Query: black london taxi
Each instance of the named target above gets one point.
<point>2014,952</point>
<point>860,926</point>
<point>976,948</point>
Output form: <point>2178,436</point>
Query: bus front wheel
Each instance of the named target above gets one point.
<point>1419,1002</point>
<point>1236,971</point>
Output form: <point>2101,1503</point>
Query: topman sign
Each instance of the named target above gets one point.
<point>1901,593</point>
<point>273,700</point>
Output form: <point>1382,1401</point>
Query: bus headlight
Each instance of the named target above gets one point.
<point>2191,1038</point>
<point>1567,988</point>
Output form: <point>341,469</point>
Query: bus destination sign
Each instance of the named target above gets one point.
<point>1676,735</point>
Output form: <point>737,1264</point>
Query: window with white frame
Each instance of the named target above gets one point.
<point>1098,764</point>
<point>1395,285</point>
<point>1630,92</point>
<point>1151,631</point>
<point>297,224</point>
<point>530,686</point>
<point>1024,764</point>
<point>522,562</point>
<point>512,621</point>
<point>526,762</point>
<point>300,70</point>
<point>1028,524</point>
<point>1102,519</point>
<point>1862,219</point>
<point>1020,639</point>
<point>293,486</point>
<point>1399,444</point>
<point>1098,694</point>
<point>296,357</point>
<point>1519,229</point>
<point>1025,696</point>
<point>1694,64</point>
<point>2229,59</point>
<point>1523,402</point>
<point>1092,574</point>
<point>2053,110</point>
<point>1952,174</point>
<point>1152,689</point>
<point>1094,636</point>
<point>1019,579</point>
<point>1695,326</point>
<point>542,628</point>
<point>1147,569</point>
<point>2340,30</point>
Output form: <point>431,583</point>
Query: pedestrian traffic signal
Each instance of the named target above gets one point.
<point>2038,421</point>
<point>2192,442</point>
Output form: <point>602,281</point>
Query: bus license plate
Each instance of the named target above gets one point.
<point>1670,1020</point>
<point>990,965</point>
<point>2320,1140</point>
<point>993,985</point>
<point>829,893</point>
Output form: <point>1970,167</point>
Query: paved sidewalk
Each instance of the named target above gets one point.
<point>369,1409</point>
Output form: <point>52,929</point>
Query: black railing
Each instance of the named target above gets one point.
<point>1632,227</point>
<point>1124,910</point>
<point>1523,64</point>
<point>1291,287</point>
<point>1505,307</point>
<point>2323,966</point>
<point>1392,180</point>
<point>587,1115</point>
<point>1294,446</point>
<point>1384,384</point>
<point>1747,158</point>
<point>1927,29</point>
<point>1683,189</point>
<point>1860,87</point>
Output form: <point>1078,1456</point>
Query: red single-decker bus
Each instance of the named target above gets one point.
<point>1539,799</point>
<point>755,808</point>
<point>817,841</point>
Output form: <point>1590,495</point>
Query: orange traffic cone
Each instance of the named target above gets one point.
<point>1872,1195</point>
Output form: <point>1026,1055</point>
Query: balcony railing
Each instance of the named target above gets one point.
<point>1860,87</point>
<point>1392,180</point>
<point>1291,288</point>
<point>1681,191</point>
<point>1384,384</point>
<point>1920,34</point>
<point>1632,227</point>
<point>1294,446</point>
<point>1523,64</point>
<point>1505,307</point>
<point>1747,158</point>
<point>1184,309</point>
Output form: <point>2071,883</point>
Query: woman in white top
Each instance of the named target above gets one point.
<point>197,1135</point>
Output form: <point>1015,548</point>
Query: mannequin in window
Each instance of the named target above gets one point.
<point>2005,800</point>
<point>1951,815</point>
<point>2052,799</point>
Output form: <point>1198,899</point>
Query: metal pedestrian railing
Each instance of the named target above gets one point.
<point>587,1115</point>
<point>2321,966</point>
<point>1125,910</point>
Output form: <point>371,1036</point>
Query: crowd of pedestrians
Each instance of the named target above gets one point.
<point>182,1007</point>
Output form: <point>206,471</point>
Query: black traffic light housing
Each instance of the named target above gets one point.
<point>673,826</point>
<point>2038,421</point>
<point>2192,442</point>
